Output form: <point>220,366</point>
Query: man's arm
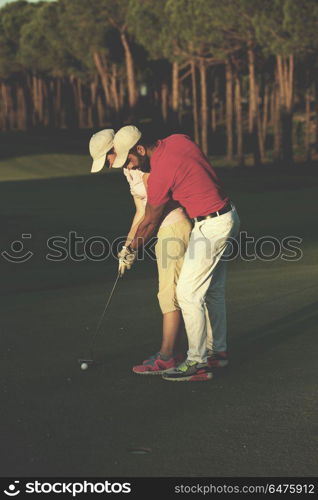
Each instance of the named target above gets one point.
<point>138,217</point>
<point>148,225</point>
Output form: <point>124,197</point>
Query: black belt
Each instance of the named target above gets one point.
<point>223,210</point>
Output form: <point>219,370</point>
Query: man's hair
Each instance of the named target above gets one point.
<point>150,134</point>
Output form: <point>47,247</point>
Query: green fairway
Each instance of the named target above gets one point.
<point>41,156</point>
<point>42,167</point>
<point>257,418</point>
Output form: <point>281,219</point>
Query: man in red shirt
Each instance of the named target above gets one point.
<point>180,171</point>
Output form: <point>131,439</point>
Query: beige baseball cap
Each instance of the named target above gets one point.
<point>124,140</point>
<point>99,145</point>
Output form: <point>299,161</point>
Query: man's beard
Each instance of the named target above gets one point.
<point>143,163</point>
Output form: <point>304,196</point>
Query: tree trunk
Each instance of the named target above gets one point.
<point>104,76</point>
<point>69,112</point>
<point>195,103</point>
<point>8,98</point>
<point>277,126</point>
<point>22,109</point>
<point>307,126</point>
<point>46,110</point>
<point>265,112</point>
<point>35,101</point>
<point>213,112</point>
<point>221,112</point>
<point>164,101</point>
<point>263,124</point>
<point>51,90</point>
<point>58,101</point>
<point>73,81</point>
<point>250,109</point>
<point>100,111</point>
<point>204,107</point>
<point>29,98</point>
<point>285,70</point>
<point>64,108</point>
<point>22,112</point>
<point>156,95</point>
<point>229,110</point>
<point>5,107</point>
<point>251,92</point>
<point>41,100</point>
<point>253,103</point>
<point>114,89</point>
<point>316,113</point>
<point>2,118</point>
<point>239,120</point>
<point>261,132</point>
<point>81,104</point>
<point>131,77</point>
<point>121,93</point>
<point>90,116</point>
<point>182,93</point>
<point>93,114</point>
<point>272,107</point>
<point>175,92</point>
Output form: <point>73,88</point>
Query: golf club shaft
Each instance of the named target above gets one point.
<point>104,311</point>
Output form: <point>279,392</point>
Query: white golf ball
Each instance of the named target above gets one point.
<point>84,366</point>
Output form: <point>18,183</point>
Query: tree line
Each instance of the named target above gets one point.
<point>245,70</point>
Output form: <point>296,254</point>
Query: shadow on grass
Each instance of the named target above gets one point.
<point>254,343</point>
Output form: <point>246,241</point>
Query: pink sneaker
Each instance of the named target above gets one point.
<point>154,366</point>
<point>218,360</point>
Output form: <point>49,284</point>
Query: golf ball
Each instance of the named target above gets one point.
<point>84,366</point>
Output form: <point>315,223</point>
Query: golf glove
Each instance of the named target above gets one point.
<point>126,259</point>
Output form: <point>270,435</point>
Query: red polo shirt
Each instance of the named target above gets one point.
<point>179,170</point>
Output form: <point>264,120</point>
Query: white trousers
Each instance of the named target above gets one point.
<point>201,285</point>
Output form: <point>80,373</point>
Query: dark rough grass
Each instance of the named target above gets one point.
<point>258,418</point>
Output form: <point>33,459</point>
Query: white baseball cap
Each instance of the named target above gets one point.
<point>124,140</point>
<point>99,145</point>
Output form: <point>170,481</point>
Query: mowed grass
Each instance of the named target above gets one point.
<point>35,155</point>
<point>257,418</point>
<point>43,166</point>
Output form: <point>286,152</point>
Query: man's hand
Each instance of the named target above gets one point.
<point>126,259</point>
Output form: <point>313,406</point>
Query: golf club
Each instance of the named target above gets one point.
<point>86,362</point>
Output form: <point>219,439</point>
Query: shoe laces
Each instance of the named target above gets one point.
<point>185,365</point>
<point>152,359</point>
